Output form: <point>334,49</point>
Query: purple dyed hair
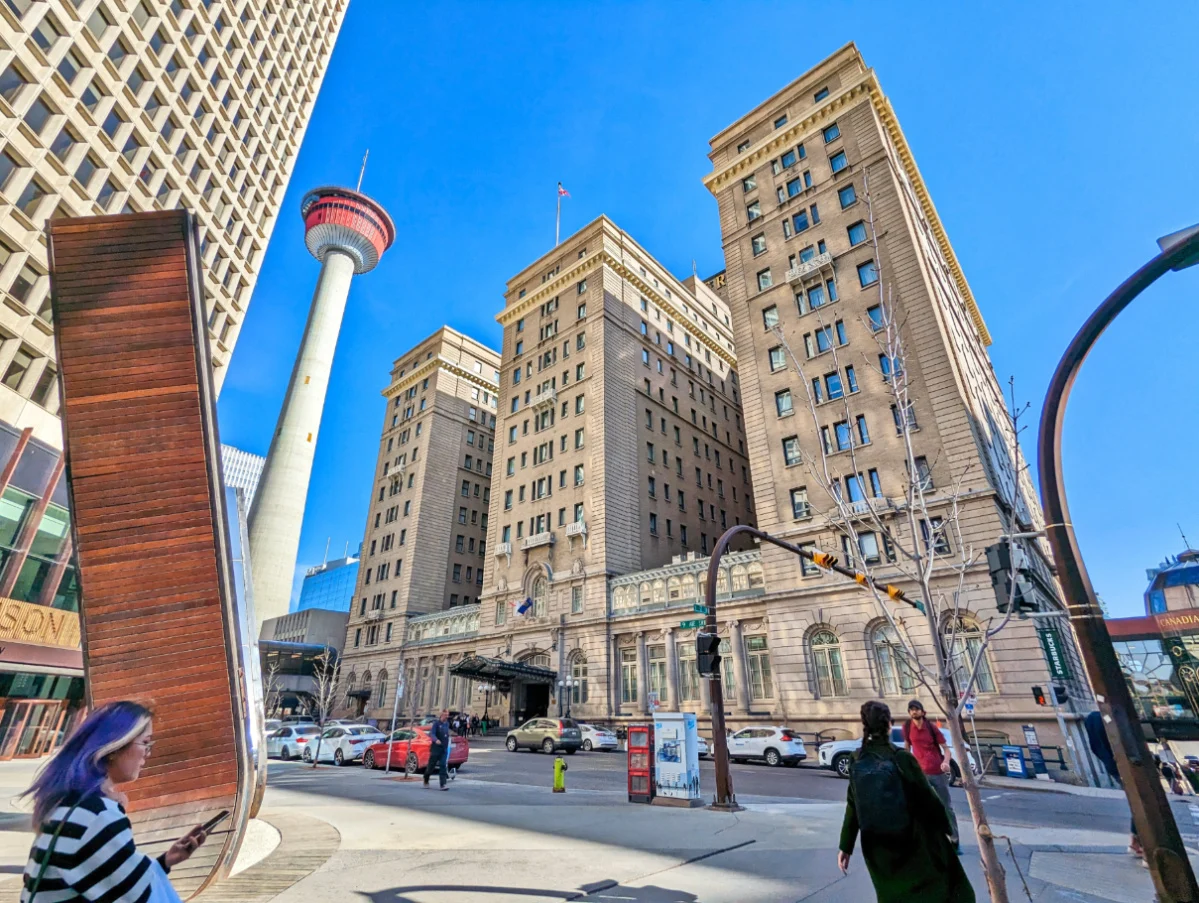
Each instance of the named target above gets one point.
<point>78,768</point>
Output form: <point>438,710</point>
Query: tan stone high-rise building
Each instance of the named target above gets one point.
<point>114,106</point>
<point>425,543</point>
<point>791,180</point>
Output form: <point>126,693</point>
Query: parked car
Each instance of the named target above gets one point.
<point>547,734</point>
<point>341,743</point>
<point>774,745</point>
<point>272,725</point>
<point>839,754</point>
<point>410,750</point>
<point>705,751</point>
<point>598,737</point>
<point>290,740</point>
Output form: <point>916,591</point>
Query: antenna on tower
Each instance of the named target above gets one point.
<point>1185,544</point>
<point>694,271</point>
<point>327,541</point>
<point>362,171</point>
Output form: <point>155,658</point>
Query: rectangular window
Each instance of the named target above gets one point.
<point>758,244</point>
<point>753,211</point>
<point>806,568</point>
<point>782,402</point>
<point>788,159</point>
<point>817,392</point>
<point>758,658</point>
<point>851,379</point>
<point>576,600</point>
<point>778,359</point>
<point>832,382</point>
<point>748,184</point>
<point>800,221</point>
<point>807,179</point>
<point>924,476</point>
<point>824,339</point>
<point>791,453</point>
<point>765,280</point>
<point>799,503</point>
<point>875,315</point>
<point>831,133</point>
<point>628,675</point>
<point>816,297</point>
<point>770,316</point>
<point>863,433</point>
<point>841,430</point>
<point>653,524</point>
<point>838,161</point>
<point>857,233</point>
<point>847,196</point>
<point>935,535</point>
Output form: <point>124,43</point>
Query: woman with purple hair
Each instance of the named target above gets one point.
<point>84,848</point>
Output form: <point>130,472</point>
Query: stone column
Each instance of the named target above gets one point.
<point>642,674</point>
<point>447,702</point>
<point>740,672</point>
<point>614,677</point>
<point>672,672</point>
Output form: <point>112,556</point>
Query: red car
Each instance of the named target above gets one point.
<point>410,750</point>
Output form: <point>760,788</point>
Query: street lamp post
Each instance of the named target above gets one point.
<point>565,688</point>
<point>486,690</point>
<point>1173,877</point>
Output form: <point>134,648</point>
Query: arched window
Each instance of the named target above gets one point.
<point>659,590</point>
<point>540,590</point>
<point>755,576</point>
<point>645,593</point>
<point>381,692</point>
<point>740,578</point>
<point>961,639</point>
<point>350,682</point>
<point>895,675</point>
<point>578,673</point>
<point>674,589</point>
<point>826,659</point>
<point>722,582</point>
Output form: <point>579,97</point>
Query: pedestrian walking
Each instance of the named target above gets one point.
<point>904,825</point>
<point>439,750</point>
<point>924,740</point>
<point>84,849</point>
<point>474,725</point>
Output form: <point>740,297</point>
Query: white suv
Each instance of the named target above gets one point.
<point>838,754</point>
<point>775,745</point>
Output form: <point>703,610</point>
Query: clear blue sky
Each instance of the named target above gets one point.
<point>1058,141</point>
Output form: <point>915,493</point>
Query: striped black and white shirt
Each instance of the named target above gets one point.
<point>94,858</point>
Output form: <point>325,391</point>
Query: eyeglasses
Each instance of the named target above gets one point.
<point>147,745</point>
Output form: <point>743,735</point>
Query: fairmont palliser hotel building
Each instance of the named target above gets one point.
<point>544,515</point>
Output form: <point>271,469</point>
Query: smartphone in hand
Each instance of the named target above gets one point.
<point>215,820</point>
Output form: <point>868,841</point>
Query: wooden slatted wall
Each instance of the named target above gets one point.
<point>147,511</point>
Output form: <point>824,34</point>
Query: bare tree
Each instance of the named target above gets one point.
<point>272,689</point>
<point>327,676</point>
<point>917,540</point>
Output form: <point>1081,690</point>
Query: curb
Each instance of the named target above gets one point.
<point>305,844</point>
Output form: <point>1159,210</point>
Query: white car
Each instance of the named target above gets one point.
<point>704,750</point>
<point>839,754</point>
<point>272,725</point>
<point>774,745</point>
<point>290,740</point>
<point>342,743</point>
<point>598,738</point>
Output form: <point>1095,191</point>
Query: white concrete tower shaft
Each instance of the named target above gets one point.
<point>348,233</point>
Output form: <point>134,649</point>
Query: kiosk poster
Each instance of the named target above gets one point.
<point>676,755</point>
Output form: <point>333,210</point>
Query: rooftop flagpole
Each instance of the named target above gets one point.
<point>558,220</point>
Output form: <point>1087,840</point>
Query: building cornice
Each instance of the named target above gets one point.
<point>590,264</point>
<point>866,84</point>
<point>430,366</point>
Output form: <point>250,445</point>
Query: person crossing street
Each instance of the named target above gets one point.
<point>925,741</point>
<point>439,750</point>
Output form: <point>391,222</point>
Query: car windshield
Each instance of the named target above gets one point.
<point>568,722</point>
<point>307,730</point>
<point>360,731</point>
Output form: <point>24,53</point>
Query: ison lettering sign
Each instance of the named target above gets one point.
<point>23,622</point>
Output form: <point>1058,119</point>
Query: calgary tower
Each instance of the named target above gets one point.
<point>348,233</point>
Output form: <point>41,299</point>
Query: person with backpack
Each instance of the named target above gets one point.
<point>925,741</point>
<point>903,824</point>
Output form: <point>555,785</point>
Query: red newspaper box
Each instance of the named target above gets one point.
<point>641,763</point>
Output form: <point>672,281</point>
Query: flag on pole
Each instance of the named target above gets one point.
<point>524,606</point>
<point>562,192</point>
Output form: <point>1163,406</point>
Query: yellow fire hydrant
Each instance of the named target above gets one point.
<point>559,774</point>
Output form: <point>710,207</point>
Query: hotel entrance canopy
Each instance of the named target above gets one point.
<point>502,673</point>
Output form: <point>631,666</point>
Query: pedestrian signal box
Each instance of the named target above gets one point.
<point>707,654</point>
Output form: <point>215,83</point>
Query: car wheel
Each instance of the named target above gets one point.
<point>773,758</point>
<point>368,760</point>
<point>307,755</point>
<point>571,750</point>
<point>587,745</point>
<point>338,758</point>
<point>841,763</point>
<point>285,754</point>
<point>511,744</point>
<point>794,763</point>
<point>547,746</point>
<point>412,764</point>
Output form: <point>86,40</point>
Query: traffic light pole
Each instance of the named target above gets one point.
<point>1173,878</point>
<point>725,799</point>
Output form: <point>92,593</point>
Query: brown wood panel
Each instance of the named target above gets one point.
<point>143,472</point>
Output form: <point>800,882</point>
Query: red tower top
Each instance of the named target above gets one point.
<point>347,221</point>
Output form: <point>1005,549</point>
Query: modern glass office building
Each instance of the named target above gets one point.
<point>330,585</point>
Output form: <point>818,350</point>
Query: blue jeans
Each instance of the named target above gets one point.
<point>439,758</point>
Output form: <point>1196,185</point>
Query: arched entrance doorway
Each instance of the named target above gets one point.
<point>530,699</point>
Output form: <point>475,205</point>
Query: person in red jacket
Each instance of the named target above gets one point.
<point>925,741</point>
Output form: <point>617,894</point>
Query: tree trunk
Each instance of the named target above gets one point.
<point>992,868</point>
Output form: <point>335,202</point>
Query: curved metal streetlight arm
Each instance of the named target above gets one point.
<point>1167,858</point>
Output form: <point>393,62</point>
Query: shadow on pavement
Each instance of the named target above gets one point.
<point>649,894</point>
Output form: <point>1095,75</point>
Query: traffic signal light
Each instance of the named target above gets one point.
<point>1039,695</point>
<point>999,563</point>
<point>1060,694</point>
<point>707,654</point>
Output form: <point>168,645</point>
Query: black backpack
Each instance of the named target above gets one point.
<point>879,797</point>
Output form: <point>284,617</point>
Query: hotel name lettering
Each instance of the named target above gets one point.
<point>23,622</point>
<point>1178,622</point>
